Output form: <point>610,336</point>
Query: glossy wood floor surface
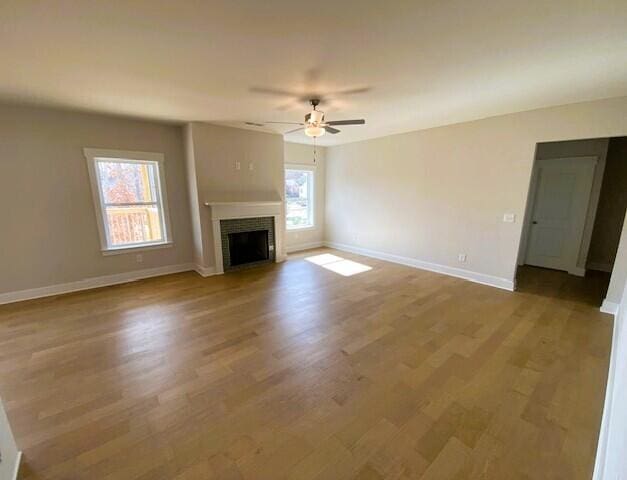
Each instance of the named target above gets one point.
<point>294,371</point>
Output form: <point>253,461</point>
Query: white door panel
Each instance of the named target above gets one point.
<point>561,197</point>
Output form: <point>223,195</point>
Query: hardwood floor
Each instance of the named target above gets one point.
<point>294,371</point>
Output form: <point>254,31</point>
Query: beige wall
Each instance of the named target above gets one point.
<point>214,151</point>
<point>612,206</point>
<point>299,154</point>
<point>432,194</point>
<point>48,225</point>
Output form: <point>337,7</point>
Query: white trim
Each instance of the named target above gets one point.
<point>92,282</point>
<point>579,247</point>
<point>300,166</point>
<point>311,200</point>
<point>91,156</point>
<point>609,307</point>
<point>606,420</point>
<point>304,246</point>
<point>18,460</point>
<point>139,248</point>
<point>476,277</point>
<point>243,204</point>
<point>204,271</point>
<point>11,456</point>
<point>229,210</point>
<point>226,210</point>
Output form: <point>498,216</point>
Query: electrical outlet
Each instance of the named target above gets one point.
<point>251,166</point>
<point>509,217</point>
<point>238,166</point>
<point>461,258</point>
<point>139,258</point>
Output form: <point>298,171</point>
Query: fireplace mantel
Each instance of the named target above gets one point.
<point>224,210</point>
<point>221,210</point>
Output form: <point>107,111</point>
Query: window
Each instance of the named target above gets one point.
<point>299,185</point>
<point>129,196</point>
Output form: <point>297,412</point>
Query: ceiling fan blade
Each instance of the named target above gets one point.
<point>331,130</point>
<point>351,91</point>
<point>292,131</point>
<point>347,122</point>
<point>287,123</point>
<point>275,91</point>
<point>254,124</point>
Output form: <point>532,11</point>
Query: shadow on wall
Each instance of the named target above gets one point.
<point>611,208</point>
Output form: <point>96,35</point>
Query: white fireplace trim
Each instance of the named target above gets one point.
<point>230,210</point>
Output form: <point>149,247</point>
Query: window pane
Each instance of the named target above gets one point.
<point>127,182</point>
<point>137,224</point>
<point>299,212</point>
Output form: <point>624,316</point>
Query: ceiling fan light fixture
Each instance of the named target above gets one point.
<point>316,116</point>
<point>314,131</point>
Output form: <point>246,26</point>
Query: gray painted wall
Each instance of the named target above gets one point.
<point>48,224</point>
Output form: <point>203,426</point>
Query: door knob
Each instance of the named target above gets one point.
<point>534,222</point>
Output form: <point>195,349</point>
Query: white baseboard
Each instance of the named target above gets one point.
<point>476,277</point>
<point>204,271</point>
<point>304,246</point>
<point>609,307</point>
<point>93,282</point>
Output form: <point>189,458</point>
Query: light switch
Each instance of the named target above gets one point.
<point>509,217</point>
<point>238,165</point>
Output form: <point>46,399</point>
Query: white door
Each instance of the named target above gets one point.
<point>562,194</point>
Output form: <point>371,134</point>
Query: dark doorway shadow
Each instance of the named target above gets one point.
<point>588,290</point>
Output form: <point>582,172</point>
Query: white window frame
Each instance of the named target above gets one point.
<point>312,196</point>
<point>92,155</point>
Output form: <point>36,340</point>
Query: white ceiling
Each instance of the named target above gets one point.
<point>426,63</point>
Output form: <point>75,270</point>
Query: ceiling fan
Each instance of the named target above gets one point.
<point>315,124</point>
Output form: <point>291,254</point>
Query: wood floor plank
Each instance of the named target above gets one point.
<point>291,371</point>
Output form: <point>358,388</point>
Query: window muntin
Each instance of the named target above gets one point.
<point>299,198</point>
<point>130,200</point>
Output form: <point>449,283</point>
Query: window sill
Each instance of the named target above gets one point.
<point>138,248</point>
<point>300,229</point>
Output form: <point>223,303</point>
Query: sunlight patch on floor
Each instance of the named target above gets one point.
<point>339,265</point>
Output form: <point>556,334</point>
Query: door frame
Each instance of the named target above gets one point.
<point>578,265</point>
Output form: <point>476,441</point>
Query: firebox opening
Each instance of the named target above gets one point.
<point>248,247</point>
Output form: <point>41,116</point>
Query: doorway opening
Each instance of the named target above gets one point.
<point>574,218</point>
